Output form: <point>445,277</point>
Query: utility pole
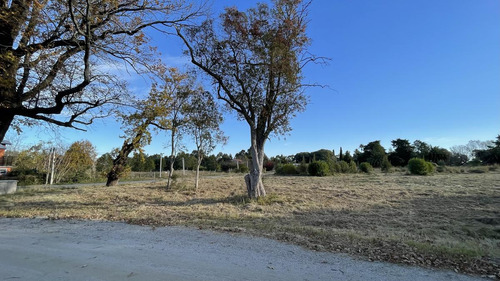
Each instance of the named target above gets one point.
<point>183,170</point>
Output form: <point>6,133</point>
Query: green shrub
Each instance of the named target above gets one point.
<point>431,168</point>
<point>334,167</point>
<point>352,167</point>
<point>343,167</point>
<point>242,169</point>
<point>386,165</point>
<point>365,167</point>
<point>418,166</point>
<point>302,168</point>
<point>286,169</point>
<point>319,169</point>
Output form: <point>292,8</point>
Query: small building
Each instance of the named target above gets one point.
<point>5,161</point>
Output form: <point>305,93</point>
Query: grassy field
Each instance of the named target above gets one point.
<point>446,220</point>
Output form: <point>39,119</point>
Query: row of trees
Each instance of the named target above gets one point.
<point>177,105</point>
<point>475,152</point>
<point>53,56</point>
<point>140,162</point>
<point>53,52</point>
<point>402,150</point>
<point>49,163</point>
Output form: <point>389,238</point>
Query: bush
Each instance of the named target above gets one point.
<point>28,177</point>
<point>302,168</point>
<point>386,165</point>
<point>242,169</point>
<point>319,169</point>
<point>352,167</point>
<point>344,167</point>
<point>286,169</point>
<point>365,167</point>
<point>269,165</point>
<point>418,166</point>
<point>334,167</point>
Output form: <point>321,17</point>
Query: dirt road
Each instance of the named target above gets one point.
<point>38,249</point>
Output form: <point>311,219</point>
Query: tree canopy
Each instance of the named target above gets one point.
<point>255,60</point>
<point>54,55</point>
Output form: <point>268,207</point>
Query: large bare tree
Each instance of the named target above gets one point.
<point>255,58</point>
<point>50,51</point>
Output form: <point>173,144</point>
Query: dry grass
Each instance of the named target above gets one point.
<point>447,220</point>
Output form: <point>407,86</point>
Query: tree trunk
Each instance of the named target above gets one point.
<point>253,180</point>
<point>5,122</point>
<point>197,176</point>
<point>170,172</point>
<point>121,160</point>
<point>172,158</point>
<point>113,178</point>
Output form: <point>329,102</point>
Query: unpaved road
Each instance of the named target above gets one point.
<point>37,249</point>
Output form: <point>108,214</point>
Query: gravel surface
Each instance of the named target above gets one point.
<point>39,249</point>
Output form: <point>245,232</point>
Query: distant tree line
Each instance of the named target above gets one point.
<point>374,155</point>
<point>46,163</point>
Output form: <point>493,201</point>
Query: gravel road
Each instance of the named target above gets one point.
<point>38,249</point>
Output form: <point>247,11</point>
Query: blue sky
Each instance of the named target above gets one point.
<point>427,70</point>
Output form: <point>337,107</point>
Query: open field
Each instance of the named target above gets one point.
<point>445,220</point>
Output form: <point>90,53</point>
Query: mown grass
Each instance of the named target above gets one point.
<point>445,220</point>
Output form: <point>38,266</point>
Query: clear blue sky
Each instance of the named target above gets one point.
<point>426,69</point>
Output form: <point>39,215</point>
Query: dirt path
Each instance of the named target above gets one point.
<point>37,249</point>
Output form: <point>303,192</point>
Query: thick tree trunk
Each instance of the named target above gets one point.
<point>5,122</point>
<point>113,178</point>
<point>253,180</point>
<point>121,160</point>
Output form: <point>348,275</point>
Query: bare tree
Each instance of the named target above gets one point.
<point>255,58</point>
<point>50,53</point>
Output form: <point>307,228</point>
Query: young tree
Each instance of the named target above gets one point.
<point>50,54</point>
<point>204,119</point>
<point>179,87</point>
<point>151,112</point>
<point>255,58</point>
